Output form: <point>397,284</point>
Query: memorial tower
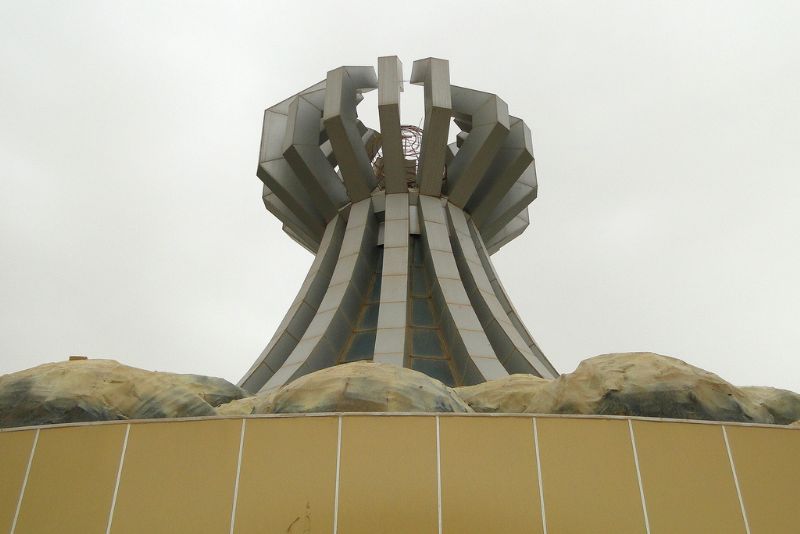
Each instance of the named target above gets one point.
<point>402,225</point>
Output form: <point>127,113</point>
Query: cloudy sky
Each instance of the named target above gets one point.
<point>666,137</point>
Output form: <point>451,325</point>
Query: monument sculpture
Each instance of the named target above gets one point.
<point>402,225</point>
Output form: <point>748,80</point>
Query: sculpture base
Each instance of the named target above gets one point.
<point>399,473</point>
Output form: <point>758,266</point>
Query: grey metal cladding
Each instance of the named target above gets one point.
<point>543,365</point>
<point>390,84</point>
<point>513,352</point>
<point>464,326</point>
<point>485,117</point>
<point>328,331</point>
<point>339,117</point>
<point>513,158</point>
<point>516,199</point>
<point>302,150</point>
<point>302,310</point>
<point>287,187</point>
<point>391,334</point>
<point>276,173</point>
<point>302,240</point>
<point>291,223</point>
<point>434,74</point>
<point>509,232</point>
<point>402,271</point>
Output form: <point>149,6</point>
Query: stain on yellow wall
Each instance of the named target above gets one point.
<point>178,477</point>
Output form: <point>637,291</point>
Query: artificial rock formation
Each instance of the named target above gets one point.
<point>632,384</point>
<point>102,390</point>
<point>512,394</point>
<point>639,383</point>
<point>356,387</point>
<point>783,405</point>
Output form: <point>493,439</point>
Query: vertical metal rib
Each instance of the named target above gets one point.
<point>390,84</point>
<point>302,310</point>
<point>434,74</point>
<point>511,349</point>
<point>505,302</point>
<point>390,342</point>
<point>485,117</point>
<point>472,353</point>
<point>331,327</point>
<point>339,118</point>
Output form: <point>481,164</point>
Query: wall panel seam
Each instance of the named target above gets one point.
<point>539,473</point>
<point>117,479</point>
<point>238,472</point>
<point>25,481</point>
<point>439,474</point>
<point>736,480</point>
<point>336,488</point>
<point>639,476</point>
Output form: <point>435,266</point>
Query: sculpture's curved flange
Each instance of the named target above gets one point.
<point>402,273</point>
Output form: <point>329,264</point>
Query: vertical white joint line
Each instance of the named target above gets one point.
<point>25,481</point>
<point>539,474</point>
<point>439,474</point>
<point>238,471</point>
<point>639,477</point>
<point>336,490</point>
<point>119,475</point>
<point>736,480</point>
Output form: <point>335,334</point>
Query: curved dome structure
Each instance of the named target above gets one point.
<point>402,225</point>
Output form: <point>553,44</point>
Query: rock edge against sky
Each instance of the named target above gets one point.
<point>632,384</point>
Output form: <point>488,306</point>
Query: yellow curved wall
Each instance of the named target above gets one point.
<point>400,474</point>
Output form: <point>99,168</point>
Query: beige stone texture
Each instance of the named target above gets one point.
<point>784,405</point>
<point>100,390</point>
<point>652,385</point>
<point>637,383</point>
<point>257,404</point>
<point>365,387</point>
<point>511,394</point>
<point>633,384</point>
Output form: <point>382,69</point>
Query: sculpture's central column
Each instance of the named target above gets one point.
<point>402,273</point>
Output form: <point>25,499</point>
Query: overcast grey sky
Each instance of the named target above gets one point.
<point>666,137</point>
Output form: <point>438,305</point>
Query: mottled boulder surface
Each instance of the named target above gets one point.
<point>638,383</point>
<point>362,387</point>
<point>783,405</point>
<point>652,385</point>
<point>260,403</point>
<point>512,394</point>
<point>634,384</point>
<point>102,390</point>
